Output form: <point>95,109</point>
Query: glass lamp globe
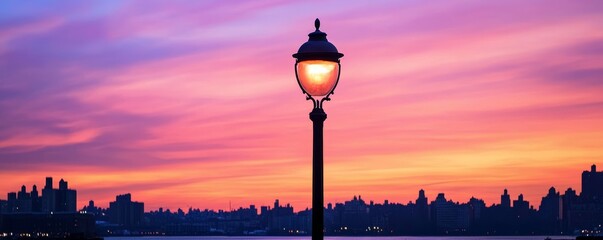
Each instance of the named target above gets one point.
<point>317,77</point>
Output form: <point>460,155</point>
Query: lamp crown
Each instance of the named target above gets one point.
<point>317,47</point>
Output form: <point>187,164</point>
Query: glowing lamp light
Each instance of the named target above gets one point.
<point>317,66</point>
<point>317,77</point>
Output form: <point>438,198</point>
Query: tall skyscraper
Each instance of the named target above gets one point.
<point>592,185</point>
<point>36,204</point>
<point>505,200</point>
<point>420,213</point>
<point>58,200</point>
<point>48,197</point>
<point>11,202</point>
<point>551,209</point>
<point>421,207</point>
<point>48,183</point>
<point>421,200</point>
<point>586,210</point>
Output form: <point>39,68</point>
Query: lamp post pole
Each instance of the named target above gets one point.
<point>317,70</point>
<point>318,117</point>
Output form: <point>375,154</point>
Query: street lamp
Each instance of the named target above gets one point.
<point>317,71</point>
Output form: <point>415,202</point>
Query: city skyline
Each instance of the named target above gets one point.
<point>561,212</point>
<point>505,198</point>
<point>193,102</point>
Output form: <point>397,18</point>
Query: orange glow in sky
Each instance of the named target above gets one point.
<point>196,104</point>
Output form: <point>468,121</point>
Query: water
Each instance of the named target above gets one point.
<point>342,238</point>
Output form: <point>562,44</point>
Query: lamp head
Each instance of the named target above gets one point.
<point>317,65</point>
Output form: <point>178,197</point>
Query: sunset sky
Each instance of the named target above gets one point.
<point>195,103</point>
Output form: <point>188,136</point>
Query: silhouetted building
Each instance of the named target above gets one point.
<point>92,209</point>
<point>520,205</point>
<point>450,217</point>
<point>505,200</point>
<point>48,197</point>
<point>592,185</point>
<point>585,212</point>
<point>420,214</point>
<point>12,202</point>
<point>280,218</point>
<point>62,199</point>
<point>568,199</point>
<point>23,203</point>
<point>36,202</point>
<point>354,216</point>
<point>477,207</point>
<point>65,198</point>
<point>125,212</point>
<point>551,210</point>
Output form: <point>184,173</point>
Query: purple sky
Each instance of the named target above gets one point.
<point>194,103</point>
